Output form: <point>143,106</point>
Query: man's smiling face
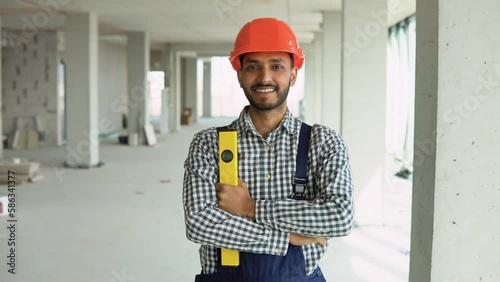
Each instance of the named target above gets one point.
<point>266,78</point>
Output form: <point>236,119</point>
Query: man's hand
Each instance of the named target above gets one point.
<point>299,240</point>
<point>236,200</point>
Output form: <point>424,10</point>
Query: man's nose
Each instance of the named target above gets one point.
<point>265,76</point>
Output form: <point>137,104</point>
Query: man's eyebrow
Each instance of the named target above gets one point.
<point>277,60</point>
<point>273,60</point>
<point>251,61</point>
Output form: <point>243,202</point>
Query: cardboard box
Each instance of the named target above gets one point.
<point>187,116</point>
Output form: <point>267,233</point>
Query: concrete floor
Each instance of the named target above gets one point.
<point>120,223</point>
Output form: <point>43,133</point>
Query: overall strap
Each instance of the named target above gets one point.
<point>222,128</point>
<point>300,179</point>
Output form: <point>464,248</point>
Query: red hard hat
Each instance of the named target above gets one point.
<point>266,35</point>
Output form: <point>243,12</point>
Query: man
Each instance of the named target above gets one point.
<point>279,237</point>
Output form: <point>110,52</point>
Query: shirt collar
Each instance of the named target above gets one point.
<point>289,123</point>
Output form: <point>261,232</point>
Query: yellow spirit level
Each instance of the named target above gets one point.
<point>228,164</point>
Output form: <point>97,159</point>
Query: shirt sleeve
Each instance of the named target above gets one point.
<point>209,225</point>
<point>330,210</point>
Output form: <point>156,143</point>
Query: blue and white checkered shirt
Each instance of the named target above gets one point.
<point>268,168</point>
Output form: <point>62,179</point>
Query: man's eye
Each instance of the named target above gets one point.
<point>278,67</point>
<point>251,67</point>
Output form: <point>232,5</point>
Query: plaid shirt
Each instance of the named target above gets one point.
<point>268,167</point>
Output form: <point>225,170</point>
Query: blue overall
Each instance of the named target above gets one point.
<point>271,268</point>
<point>265,268</point>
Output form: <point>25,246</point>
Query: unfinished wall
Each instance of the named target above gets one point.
<point>30,83</point>
<point>112,86</point>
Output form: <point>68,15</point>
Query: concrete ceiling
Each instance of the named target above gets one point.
<point>177,20</point>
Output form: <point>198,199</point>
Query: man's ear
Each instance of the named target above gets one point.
<point>293,76</point>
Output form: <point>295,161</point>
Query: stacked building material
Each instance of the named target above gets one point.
<point>4,204</point>
<point>23,170</point>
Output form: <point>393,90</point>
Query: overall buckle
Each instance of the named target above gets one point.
<point>299,188</point>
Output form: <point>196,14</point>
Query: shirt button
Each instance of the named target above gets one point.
<point>277,250</point>
<point>268,148</point>
<point>268,176</point>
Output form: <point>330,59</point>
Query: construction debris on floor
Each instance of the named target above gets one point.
<point>4,204</point>
<point>27,133</point>
<point>23,170</point>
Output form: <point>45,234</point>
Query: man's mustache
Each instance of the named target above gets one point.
<point>265,85</point>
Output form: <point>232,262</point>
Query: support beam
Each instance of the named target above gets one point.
<point>82,90</point>
<point>311,108</point>
<point>167,64</point>
<point>138,86</point>
<point>177,87</point>
<point>323,74</point>
<point>456,210</point>
<point>166,95</point>
<point>207,88</point>
<point>331,101</point>
<point>363,106</point>
<point>190,86</point>
<point>318,72</point>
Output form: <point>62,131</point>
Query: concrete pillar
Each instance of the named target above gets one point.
<point>456,196</point>
<point>323,74</point>
<point>81,57</point>
<point>176,101</point>
<point>1,105</point>
<point>309,91</point>
<point>331,59</point>
<point>207,88</point>
<point>317,68</point>
<point>311,107</point>
<point>166,96</point>
<point>190,86</point>
<point>167,64</point>
<point>318,80</point>
<point>178,76</point>
<point>138,86</point>
<point>363,106</point>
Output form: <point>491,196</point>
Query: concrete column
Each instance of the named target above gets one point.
<point>331,59</point>
<point>318,80</point>
<point>456,196</point>
<point>207,88</point>
<point>311,94</point>
<point>309,90</point>
<point>166,96</point>
<point>176,101</point>
<point>323,74</point>
<point>363,106</point>
<point>1,105</point>
<point>81,57</point>
<point>190,86</point>
<point>167,64</point>
<point>178,77</point>
<point>138,86</point>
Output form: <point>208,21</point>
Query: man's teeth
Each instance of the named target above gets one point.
<point>265,90</point>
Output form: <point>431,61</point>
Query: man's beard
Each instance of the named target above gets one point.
<point>282,96</point>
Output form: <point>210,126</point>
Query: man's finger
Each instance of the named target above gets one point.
<point>322,241</point>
